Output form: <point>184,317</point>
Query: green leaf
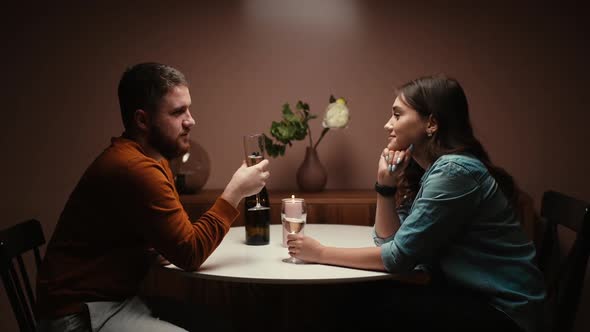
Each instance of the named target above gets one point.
<point>270,147</point>
<point>302,106</point>
<point>281,132</point>
<point>273,150</point>
<point>294,126</point>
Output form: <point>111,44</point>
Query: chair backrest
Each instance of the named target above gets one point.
<point>529,218</point>
<point>14,242</point>
<point>564,272</point>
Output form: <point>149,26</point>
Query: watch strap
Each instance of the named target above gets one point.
<point>386,191</point>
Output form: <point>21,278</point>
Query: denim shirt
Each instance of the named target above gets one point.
<point>461,221</point>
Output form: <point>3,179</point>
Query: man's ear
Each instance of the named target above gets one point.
<point>141,119</point>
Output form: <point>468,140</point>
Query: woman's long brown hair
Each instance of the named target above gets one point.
<point>443,98</point>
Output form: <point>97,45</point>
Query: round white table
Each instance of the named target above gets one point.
<point>235,261</point>
<point>252,284</point>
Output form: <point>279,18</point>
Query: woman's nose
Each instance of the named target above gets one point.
<point>388,126</point>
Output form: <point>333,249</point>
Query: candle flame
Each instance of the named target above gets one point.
<point>292,196</point>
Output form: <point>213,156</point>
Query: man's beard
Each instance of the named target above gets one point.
<point>168,148</point>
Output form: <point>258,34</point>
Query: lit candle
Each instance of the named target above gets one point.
<point>293,207</point>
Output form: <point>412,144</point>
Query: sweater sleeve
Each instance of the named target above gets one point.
<point>163,223</point>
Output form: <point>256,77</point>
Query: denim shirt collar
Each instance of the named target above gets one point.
<point>439,160</point>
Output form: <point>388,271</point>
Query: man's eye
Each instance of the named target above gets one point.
<point>396,116</point>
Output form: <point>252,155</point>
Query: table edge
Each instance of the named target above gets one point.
<point>268,281</point>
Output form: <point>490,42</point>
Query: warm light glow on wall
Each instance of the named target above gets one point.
<point>338,14</point>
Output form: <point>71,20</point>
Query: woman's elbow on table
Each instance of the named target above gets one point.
<point>394,260</point>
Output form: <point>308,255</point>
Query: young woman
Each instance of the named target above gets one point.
<point>442,204</point>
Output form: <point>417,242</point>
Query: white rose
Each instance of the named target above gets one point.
<point>337,115</point>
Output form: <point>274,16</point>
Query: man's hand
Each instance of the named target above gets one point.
<point>246,181</point>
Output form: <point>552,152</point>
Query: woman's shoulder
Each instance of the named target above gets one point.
<point>459,164</point>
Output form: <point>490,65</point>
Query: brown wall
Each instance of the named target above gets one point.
<point>522,66</point>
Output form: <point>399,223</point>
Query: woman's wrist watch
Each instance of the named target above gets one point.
<point>385,191</point>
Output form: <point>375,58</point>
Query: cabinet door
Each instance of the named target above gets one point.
<point>357,214</point>
<point>350,214</point>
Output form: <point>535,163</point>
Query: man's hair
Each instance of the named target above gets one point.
<point>142,86</point>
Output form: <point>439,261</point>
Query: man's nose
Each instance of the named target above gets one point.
<point>189,122</point>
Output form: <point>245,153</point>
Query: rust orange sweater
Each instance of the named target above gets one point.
<point>124,206</point>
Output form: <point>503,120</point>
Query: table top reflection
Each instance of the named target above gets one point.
<point>234,261</point>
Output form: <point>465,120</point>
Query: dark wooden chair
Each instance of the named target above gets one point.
<point>564,271</point>
<point>15,241</point>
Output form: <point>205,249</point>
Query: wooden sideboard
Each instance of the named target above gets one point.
<point>348,207</point>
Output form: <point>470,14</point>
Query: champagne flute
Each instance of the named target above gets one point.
<point>293,217</point>
<point>254,149</point>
